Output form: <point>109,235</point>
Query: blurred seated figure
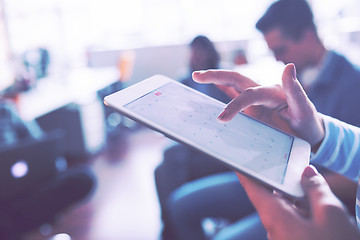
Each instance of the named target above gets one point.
<point>203,56</point>
<point>37,60</point>
<point>181,163</point>
<point>36,184</point>
<point>240,57</point>
<point>112,118</point>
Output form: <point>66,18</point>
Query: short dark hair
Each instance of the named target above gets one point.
<point>293,17</point>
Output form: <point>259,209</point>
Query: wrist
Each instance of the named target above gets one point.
<point>319,138</point>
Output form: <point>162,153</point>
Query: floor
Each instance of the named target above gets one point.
<point>124,205</point>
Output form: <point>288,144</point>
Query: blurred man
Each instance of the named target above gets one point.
<point>330,80</point>
<point>290,33</point>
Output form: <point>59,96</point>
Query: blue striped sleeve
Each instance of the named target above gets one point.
<point>339,150</point>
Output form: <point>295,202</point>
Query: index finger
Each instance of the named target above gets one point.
<point>269,97</point>
<point>224,77</point>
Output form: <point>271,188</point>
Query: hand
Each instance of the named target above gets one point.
<point>285,107</point>
<point>324,218</point>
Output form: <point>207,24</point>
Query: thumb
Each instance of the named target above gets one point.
<point>301,112</point>
<point>318,192</point>
<point>296,98</point>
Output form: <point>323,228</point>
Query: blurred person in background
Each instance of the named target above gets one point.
<point>329,79</point>
<point>203,56</point>
<point>240,57</point>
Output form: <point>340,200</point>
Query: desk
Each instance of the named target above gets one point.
<point>72,105</point>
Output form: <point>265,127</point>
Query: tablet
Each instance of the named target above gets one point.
<point>190,117</point>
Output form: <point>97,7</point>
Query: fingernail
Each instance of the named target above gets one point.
<point>200,71</point>
<point>222,115</point>
<point>310,171</point>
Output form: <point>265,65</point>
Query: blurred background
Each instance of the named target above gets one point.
<point>59,58</point>
<point>93,33</point>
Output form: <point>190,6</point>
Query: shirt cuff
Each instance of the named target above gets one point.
<point>314,157</point>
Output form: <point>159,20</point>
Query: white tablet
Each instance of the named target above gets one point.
<point>188,116</point>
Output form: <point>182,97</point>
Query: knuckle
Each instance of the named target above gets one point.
<point>249,92</point>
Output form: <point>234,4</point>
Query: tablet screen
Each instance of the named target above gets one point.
<point>242,142</point>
